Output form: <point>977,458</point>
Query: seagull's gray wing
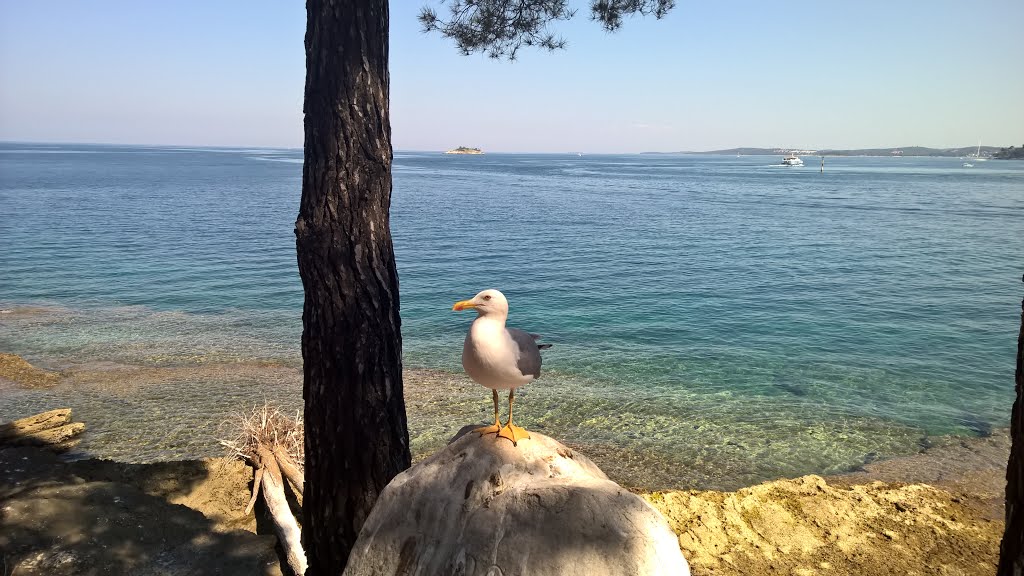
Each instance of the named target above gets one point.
<point>529,351</point>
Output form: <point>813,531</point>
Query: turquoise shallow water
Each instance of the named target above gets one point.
<point>725,318</point>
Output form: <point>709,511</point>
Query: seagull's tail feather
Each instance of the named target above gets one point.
<point>539,346</point>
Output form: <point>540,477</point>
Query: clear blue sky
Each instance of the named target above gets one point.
<point>711,75</point>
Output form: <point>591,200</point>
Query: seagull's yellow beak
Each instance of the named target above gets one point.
<point>463,304</point>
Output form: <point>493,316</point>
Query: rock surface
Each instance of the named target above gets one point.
<point>808,527</point>
<point>483,507</point>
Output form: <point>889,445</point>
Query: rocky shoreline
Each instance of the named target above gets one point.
<point>90,516</point>
<point>939,511</point>
<point>810,526</point>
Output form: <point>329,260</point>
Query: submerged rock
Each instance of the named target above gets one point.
<point>483,507</point>
<point>18,370</point>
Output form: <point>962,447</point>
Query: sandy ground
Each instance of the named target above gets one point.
<point>100,517</point>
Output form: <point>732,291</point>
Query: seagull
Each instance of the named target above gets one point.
<point>499,358</point>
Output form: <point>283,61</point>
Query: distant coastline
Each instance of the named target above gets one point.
<point>464,150</point>
<point>965,151</point>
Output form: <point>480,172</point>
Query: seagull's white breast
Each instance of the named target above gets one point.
<point>490,356</point>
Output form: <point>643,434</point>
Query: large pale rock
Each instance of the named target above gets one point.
<point>483,507</point>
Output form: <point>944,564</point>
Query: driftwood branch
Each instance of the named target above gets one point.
<point>255,490</point>
<point>272,443</point>
<point>53,429</point>
<point>289,468</point>
<point>287,528</point>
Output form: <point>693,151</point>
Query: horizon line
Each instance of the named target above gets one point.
<point>439,150</point>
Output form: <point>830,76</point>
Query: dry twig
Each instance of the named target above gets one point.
<point>267,425</point>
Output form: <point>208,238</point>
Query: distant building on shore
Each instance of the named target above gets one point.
<point>797,152</point>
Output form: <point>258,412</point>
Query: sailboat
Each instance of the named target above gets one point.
<point>977,154</point>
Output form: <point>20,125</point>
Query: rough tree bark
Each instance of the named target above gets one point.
<point>356,436</point>
<point>1011,552</point>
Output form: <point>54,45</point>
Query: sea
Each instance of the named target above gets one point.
<point>716,320</point>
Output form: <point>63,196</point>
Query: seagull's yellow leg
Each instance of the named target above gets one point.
<point>511,431</point>
<point>496,427</point>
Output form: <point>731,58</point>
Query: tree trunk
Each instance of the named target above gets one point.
<point>356,434</point>
<point>1011,552</point>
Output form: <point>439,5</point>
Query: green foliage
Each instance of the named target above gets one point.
<point>499,28</point>
<point>610,12</point>
<point>1011,153</point>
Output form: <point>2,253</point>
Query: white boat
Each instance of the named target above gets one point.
<point>977,155</point>
<point>792,160</point>
<point>968,165</point>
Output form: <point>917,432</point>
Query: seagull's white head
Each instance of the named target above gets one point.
<point>486,303</point>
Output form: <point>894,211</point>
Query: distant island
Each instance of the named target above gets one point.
<point>465,150</point>
<point>965,151</point>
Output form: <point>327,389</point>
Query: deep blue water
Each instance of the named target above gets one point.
<point>696,303</point>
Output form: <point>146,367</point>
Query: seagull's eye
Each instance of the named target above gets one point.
<point>487,297</point>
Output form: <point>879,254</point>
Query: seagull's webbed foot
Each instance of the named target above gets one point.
<point>513,433</point>
<point>492,429</point>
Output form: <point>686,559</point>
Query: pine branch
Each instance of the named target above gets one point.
<point>610,12</point>
<point>499,28</point>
